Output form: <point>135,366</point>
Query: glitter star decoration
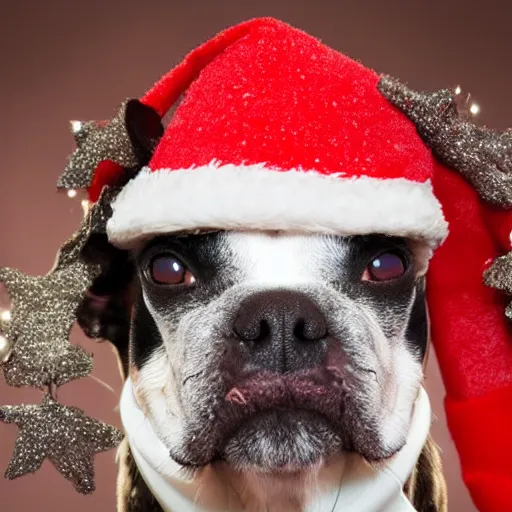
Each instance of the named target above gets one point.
<point>499,276</point>
<point>64,435</point>
<point>44,311</point>
<point>127,140</point>
<point>101,211</point>
<point>481,155</point>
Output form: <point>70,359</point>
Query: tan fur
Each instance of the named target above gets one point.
<point>133,494</point>
<point>426,488</point>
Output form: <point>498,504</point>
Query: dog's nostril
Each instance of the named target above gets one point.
<point>264,331</point>
<point>313,330</point>
<point>298,331</point>
<point>252,330</point>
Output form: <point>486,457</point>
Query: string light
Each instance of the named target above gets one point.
<point>76,126</point>
<point>5,349</point>
<point>5,316</point>
<point>71,193</point>
<point>474,109</point>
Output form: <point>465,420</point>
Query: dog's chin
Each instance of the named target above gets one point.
<point>281,440</point>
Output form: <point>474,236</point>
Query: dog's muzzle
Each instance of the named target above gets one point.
<point>356,484</point>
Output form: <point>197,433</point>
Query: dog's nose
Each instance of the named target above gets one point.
<point>281,331</point>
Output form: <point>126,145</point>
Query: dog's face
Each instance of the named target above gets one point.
<point>273,351</point>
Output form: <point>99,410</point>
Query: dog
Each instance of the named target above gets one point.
<point>269,353</point>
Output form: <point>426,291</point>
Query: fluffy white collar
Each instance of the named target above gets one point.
<point>346,484</point>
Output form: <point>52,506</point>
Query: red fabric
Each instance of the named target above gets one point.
<point>279,96</point>
<point>482,431</point>
<point>473,342</point>
<point>469,332</point>
<point>106,173</point>
<point>499,222</point>
<point>167,90</point>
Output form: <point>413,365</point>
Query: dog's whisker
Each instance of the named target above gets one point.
<point>200,486</point>
<point>102,383</point>
<point>339,491</point>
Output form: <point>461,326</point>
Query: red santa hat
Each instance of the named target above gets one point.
<point>276,131</point>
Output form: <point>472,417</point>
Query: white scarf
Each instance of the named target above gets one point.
<point>355,485</point>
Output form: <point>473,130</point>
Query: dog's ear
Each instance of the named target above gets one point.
<point>144,128</point>
<point>105,312</point>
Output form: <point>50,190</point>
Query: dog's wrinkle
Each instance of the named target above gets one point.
<point>187,378</point>
<point>367,370</point>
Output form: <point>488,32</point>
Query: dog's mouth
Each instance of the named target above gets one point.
<point>320,390</point>
<point>283,421</point>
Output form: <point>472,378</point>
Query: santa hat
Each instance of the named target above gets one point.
<point>276,131</point>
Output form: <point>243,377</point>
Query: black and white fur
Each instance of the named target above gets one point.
<point>336,366</point>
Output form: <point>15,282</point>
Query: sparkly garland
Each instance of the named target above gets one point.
<point>34,335</point>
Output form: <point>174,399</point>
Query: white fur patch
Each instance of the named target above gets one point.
<point>254,197</point>
<point>280,260</point>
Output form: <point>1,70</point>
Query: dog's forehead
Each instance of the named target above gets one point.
<point>279,257</point>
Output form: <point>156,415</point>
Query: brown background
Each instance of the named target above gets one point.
<point>66,59</point>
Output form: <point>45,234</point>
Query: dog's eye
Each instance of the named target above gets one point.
<point>167,269</point>
<point>385,267</point>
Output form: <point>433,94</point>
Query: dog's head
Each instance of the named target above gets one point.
<point>274,351</point>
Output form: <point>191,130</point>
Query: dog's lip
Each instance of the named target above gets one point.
<point>320,390</point>
<point>318,379</point>
<point>277,412</point>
